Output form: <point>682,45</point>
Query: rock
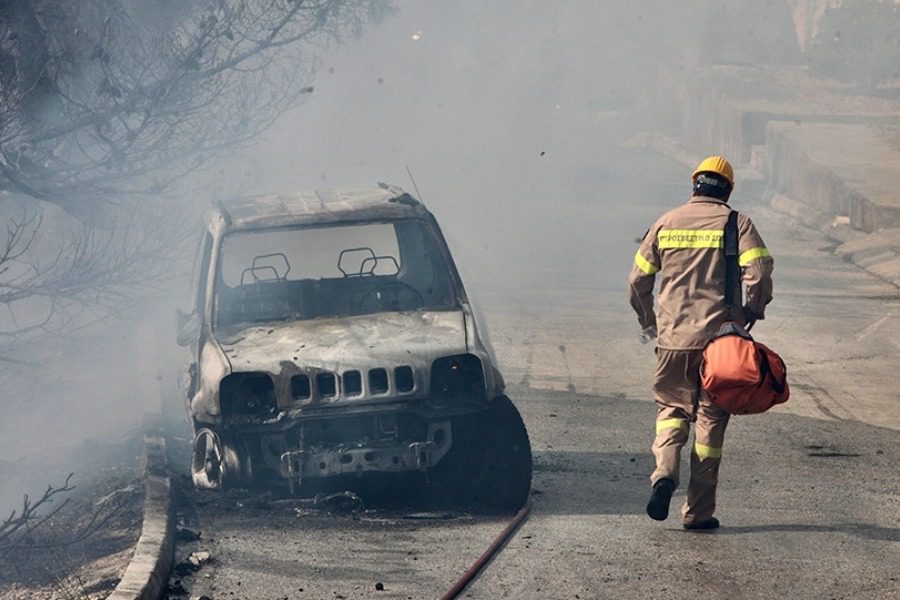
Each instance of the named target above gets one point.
<point>198,559</point>
<point>379,586</point>
<point>183,534</point>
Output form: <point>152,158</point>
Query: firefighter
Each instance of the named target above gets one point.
<point>685,249</point>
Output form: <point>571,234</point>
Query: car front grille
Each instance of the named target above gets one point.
<point>327,386</point>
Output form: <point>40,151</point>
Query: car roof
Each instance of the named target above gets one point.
<point>315,207</point>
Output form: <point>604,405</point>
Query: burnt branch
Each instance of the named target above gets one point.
<point>133,99</point>
<point>107,106</point>
<point>16,528</point>
<point>61,280</point>
<point>41,530</point>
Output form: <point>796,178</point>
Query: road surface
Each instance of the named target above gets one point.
<point>809,494</point>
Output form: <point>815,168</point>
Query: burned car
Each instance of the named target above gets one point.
<point>331,337</point>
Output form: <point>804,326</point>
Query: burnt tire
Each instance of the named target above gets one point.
<point>220,463</point>
<point>488,467</point>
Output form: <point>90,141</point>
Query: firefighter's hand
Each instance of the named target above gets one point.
<point>648,334</point>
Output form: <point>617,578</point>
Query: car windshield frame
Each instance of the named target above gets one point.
<point>445,291</point>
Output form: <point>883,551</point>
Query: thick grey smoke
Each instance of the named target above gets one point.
<point>512,117</point>
<point>515,119</point>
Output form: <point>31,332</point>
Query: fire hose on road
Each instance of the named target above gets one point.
<point>488,555</point>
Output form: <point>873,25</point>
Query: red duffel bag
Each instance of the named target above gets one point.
<point>740,375</point>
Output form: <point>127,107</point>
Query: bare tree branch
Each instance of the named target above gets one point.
<point>44,290</point>
<point>19,523</point>
<point>106,105</point>
<point>41,527</point>
<point>139,99</point>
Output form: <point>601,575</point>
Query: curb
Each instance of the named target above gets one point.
<point>804,213</point>
<point>883,263</point>
<point>147,573</point>
<point>876,256</point>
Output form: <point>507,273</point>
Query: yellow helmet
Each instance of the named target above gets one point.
<point>715,164</point>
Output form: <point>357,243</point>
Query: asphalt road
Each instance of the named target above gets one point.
<point>809,494</point>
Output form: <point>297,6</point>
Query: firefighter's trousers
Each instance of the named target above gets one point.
<point>680,401</point>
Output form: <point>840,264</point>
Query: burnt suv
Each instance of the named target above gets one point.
<point>331,337</point>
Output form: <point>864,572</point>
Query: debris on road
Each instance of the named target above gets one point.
<point>198,559</point>
<point>175,589</point>
<point>183,534</point>
<point>430,516</point>
<point>345,501</point>
<point>338,502</point>
<point>192,563</point>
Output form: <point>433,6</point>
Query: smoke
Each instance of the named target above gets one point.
<point>515,119</point>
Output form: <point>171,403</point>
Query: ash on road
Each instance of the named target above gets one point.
<point>806,505</point>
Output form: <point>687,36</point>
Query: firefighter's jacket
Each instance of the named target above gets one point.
<point>685,247</point>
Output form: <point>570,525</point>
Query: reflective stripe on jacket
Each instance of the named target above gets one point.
<point>685,248</point>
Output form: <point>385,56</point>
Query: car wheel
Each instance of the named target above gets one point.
<point>489,465</point>
<point>218,463</point>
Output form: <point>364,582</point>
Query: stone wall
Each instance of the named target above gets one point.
<point>837,169</point>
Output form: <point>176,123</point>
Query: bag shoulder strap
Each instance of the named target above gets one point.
<point>732,268</point>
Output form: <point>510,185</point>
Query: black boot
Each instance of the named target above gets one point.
<point>658,506</point>
<point>710,523</point>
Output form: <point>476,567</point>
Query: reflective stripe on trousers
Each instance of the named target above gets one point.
<point>680,400</point>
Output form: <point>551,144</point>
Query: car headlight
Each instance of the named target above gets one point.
<point>457,377</point>
<point>247,394</point>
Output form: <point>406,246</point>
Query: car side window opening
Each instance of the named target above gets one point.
<point>330,271</point>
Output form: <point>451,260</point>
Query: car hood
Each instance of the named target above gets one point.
<point>382,339</point>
